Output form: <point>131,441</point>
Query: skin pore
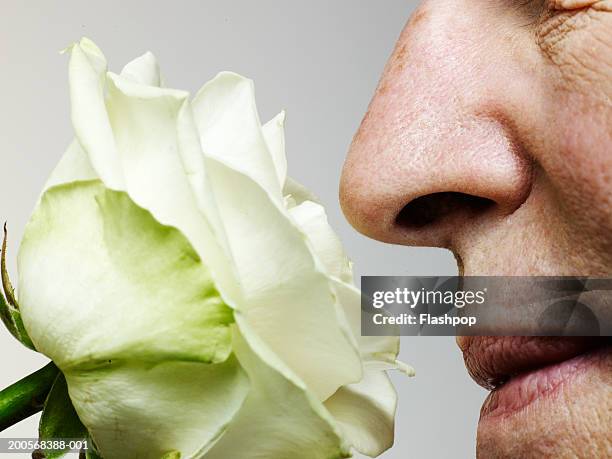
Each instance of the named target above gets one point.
<point>490,134</point>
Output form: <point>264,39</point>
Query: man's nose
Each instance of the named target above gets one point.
<point>437,153</point>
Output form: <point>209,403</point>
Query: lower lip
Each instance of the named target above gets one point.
<point>525,389</point>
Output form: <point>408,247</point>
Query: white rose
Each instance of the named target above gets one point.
<point>195,299</point>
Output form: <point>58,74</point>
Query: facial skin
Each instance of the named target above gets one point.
<point>490,134</point>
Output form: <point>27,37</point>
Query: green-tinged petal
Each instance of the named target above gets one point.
<point>91,125</point>
<point>230,130</point>
<point>90,450</point>
<point>164,167</point>
<point>172,455</point>
<point>135,409</point>
<point>280,418</point>
<point>141,322</point>
<point>288,300</point>
<point>311,218</point>
<point>143,70</point>
<point>90,454</point>
<point>100,279</point>
<point>74,166</point>
<point>138,139</point>
<point>366,412</point>
<point>59,419</point>
<point>274,134</point>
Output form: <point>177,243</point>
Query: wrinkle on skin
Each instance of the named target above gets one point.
<point>576,28</point>
<point>575,45</point>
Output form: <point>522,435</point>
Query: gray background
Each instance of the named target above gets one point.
<point>319,60</point>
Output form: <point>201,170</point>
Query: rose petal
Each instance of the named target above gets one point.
<point>288,300</point>
<point>274,134</point>
<point>365,412</point>
<point>91,125</point>
<point>146,410</point>
<point>143,70</point>
<point>127,310</point>
<point>297,193</point>
<point>311,218</point>
<point>123,285</point>
<point>231,132</point>
<point>73,166</point>
<point>280,418</point>
<point>372,348</point>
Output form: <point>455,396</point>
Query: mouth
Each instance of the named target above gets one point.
<point>520,370</point>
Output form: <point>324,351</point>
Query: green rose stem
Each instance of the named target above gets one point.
<point>26,397</point>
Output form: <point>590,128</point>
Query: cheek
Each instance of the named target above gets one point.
<point>577,45</point>
<point>578,167</point>
<point>577,115</point>
<point>583,163</point>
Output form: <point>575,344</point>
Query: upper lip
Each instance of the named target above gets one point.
<point>493,360</point>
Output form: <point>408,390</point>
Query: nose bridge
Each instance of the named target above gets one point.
<point>431,126</point>
<point>429,74</point>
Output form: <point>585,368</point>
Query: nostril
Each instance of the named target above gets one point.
<point>432,208</point>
